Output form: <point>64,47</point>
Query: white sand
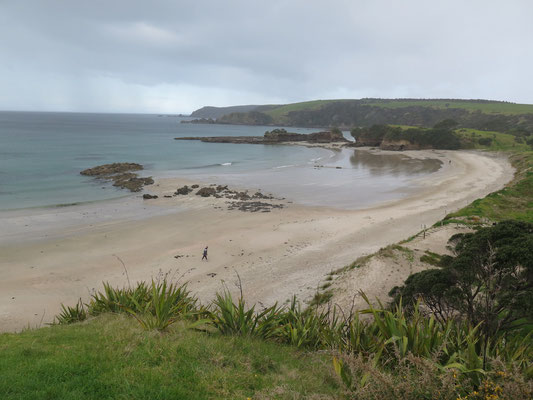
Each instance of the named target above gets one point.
<point>276,254</point>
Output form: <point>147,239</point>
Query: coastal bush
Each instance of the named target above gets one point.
<point>437,138</point>
<point>441,136</point>
<point>155,306</point>
<point>431,258</point>
<point>117,300</point>
<point>69,315</point>
<point>485,141</point>
<point>236,319</point>
<point>489,282</point>
<point>321,298</point>
<point>375,133</point>
<point>419,378</point>
<point>166,304</point>
<point>309,327</point>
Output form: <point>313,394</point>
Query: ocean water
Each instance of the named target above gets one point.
<point>41,155</point>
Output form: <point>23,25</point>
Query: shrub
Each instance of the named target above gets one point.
<point>235,319</point>
<point>485,141</point>
<point>69,315</point>
<point>167,303</point>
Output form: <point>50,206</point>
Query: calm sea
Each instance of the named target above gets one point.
<point>42,154</point>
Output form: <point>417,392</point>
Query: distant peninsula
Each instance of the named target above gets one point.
<point>485,115</point>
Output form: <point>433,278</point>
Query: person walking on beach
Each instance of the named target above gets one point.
<point>205,254</point>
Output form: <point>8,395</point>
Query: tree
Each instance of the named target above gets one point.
<point>336,130</point>
<point>447,124</point>
<point>488,282</point>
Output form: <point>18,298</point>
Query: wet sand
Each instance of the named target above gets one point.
<point>276,254</point>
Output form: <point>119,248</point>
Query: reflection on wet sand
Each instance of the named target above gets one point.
<point>392,164</point>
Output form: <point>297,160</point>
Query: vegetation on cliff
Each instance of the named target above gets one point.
<point>388,137</point>
<point>475,114</point>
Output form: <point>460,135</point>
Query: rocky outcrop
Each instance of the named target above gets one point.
<point>281,135</point>
<point>199,121</point>
<point>253,206</point>
<point>184,190</point>
<point>275,136</point>
<point>111,169</point>
<point>131,181</point>
<point>367,142</point>
<point>206,192</point>
<point>235,200</point>
<point>121,175</point>
<point>226,139</point>
<point>399,145</point>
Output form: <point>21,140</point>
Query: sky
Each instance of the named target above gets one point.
<point>164,56</point>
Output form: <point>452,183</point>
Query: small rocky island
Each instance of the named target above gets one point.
<point>121,174</point>
<point>275,136</point>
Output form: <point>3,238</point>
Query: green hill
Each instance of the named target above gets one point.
<point>484,106</point>
<point>473,114</point>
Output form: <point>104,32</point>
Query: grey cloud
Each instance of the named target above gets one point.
<point>174,56</point>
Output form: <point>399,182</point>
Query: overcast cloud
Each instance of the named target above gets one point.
<point>176,56</point>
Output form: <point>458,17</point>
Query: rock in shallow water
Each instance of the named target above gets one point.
<point>121,175</point>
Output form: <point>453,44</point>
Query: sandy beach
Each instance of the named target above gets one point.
<point>49,257</point>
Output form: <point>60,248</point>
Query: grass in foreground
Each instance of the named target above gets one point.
<point>241,353</point>
<point>112,357</point>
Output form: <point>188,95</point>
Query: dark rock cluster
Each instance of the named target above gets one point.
<point>121,175</point>
<point>206,192</point>
<point>242,201</point>
<point>112,169</point>
<point>253,206</point>
<point>184,190</point>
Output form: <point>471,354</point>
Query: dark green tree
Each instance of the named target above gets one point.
<point>488,282</point>
<point>447,124</point>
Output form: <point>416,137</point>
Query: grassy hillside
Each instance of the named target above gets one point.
<point>280,112</point>
<point>473,114</point>
<point>513,202</point>
<point>112,357</point>
<point>470,105</point>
